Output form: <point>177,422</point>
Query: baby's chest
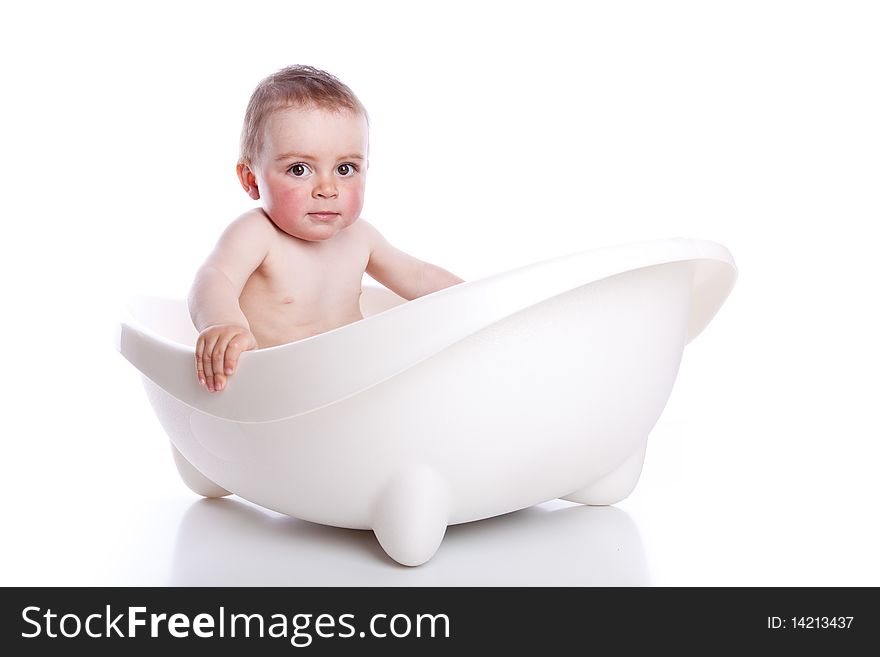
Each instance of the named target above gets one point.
<point>316,271</point>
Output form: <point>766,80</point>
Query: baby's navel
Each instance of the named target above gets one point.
<point>287,300</point>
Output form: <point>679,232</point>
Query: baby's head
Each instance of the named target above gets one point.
<point>304,149</point>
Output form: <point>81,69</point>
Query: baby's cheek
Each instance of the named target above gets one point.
<point>354,202</point>
<point>295,200</point>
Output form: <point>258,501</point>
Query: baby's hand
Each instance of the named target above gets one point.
<point>217,352</point>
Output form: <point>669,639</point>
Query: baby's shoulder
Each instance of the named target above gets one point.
<point>251,231</point>
<point>254,220</point>
<point>253,225</point>
<point>365,232</point>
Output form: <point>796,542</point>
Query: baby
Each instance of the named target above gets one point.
<point>293,267</point>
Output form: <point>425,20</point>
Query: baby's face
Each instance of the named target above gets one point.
<point>312,171</point>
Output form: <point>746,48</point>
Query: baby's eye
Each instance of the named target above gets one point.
<point>299,169</point>
<point>346,170</point>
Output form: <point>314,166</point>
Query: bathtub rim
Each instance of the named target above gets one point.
<point>252,397</point>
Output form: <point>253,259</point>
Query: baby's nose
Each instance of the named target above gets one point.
<point>324,189</point>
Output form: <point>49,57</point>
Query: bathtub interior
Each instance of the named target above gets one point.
<point>169,318</point>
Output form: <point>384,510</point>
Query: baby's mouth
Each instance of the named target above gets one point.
<point>324,215</point>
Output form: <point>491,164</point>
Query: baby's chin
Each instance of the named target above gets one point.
<point>317,231</point>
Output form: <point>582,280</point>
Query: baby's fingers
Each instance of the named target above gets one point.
<point>200,368</point>
<point>238,344</point>
<point>218,355</point>
<point>208,361</point>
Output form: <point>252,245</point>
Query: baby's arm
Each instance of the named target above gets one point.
<point>402,273</point>
<point>224,331</point>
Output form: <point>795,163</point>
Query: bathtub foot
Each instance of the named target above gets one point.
<point>411,515</point>
<point>195,480</point>
<point>613,487</point>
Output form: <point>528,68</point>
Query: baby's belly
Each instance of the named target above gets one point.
<point>287,324</point>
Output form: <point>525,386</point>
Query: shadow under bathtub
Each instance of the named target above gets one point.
<point>228,542</point>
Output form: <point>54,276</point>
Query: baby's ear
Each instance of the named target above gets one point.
<point>248,180</point>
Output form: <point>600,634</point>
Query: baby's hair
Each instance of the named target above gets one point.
<point>293,86</point>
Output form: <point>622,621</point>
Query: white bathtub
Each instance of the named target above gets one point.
<point>477,400</point>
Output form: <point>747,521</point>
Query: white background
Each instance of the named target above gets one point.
<point>503,133</point>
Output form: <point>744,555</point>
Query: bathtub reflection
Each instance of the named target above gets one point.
<point>227,542</point>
